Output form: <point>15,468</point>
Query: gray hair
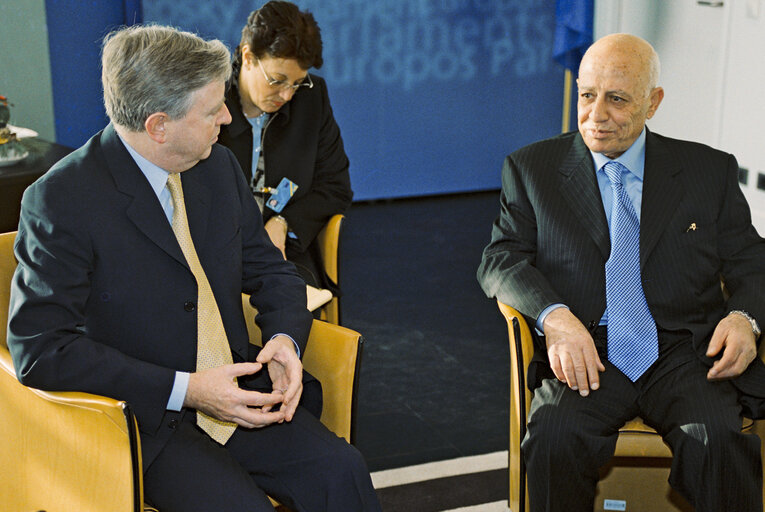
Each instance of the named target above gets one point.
<point>654,70</point>
<point>148,69</point>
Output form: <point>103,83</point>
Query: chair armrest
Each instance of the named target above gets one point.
<point>65,451</point>
<point>521,349</point>
<point>521,352</point>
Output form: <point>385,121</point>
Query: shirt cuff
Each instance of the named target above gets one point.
<point>178,394</point>
<point>297,349</point>
<point>546,311</point>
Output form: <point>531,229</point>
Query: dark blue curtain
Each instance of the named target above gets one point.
<point>573,31</point>
<point>133,13</point>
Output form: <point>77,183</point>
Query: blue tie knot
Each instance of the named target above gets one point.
<point>614,171</point>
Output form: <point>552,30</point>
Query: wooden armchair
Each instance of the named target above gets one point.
<point>638,472</point>
<point>77,451</point>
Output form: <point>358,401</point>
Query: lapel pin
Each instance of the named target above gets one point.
<point>692,227</point>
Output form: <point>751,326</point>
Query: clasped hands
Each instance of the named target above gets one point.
<point>215,393</point>
<point>574,360</point>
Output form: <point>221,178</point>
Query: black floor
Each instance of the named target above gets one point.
<point>434,382</point>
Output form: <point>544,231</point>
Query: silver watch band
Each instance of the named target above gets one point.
<point>755,326</point>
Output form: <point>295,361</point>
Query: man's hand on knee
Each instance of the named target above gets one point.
<point>215,393</point>
<point>571,351</point>
<point>733,335</point>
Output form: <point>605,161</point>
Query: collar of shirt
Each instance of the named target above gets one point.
<point>257,122</point>
<point>157,178</point>
<point>634,160</point>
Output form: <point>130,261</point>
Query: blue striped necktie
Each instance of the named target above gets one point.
<point>633,344</point>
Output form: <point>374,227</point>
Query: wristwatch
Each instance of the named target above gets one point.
<point>755,326</point>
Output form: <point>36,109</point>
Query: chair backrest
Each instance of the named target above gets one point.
<point>7,267</point>
<point>329,246</point>
<point>88,443</point>
<point>333,356</point>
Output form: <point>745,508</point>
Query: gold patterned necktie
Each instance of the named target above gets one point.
<point>213,349</point>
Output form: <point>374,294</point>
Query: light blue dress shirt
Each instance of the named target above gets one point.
<point>634,160</point>
<point>157,178</point>
<point>257,135</point>
<point>258,123</point>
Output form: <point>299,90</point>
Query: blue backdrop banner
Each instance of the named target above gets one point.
<point>430,95</point>
<point>75,32</point>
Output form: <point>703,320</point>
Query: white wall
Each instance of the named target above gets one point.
<point>713,74</point>
<point>24,65</point>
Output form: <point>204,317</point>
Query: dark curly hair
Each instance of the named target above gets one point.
<point>281,30</point>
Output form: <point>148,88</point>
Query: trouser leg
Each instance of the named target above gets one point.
<point>193,473</point>
<point>300,463</point>
<point>305,466</point>
<point>715,465</point>
<point>570,437</point>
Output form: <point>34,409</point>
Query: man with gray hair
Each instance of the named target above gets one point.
<point>612,241</point>
<point>133,253</point>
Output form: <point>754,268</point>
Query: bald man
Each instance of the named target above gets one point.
<point>612,241</point>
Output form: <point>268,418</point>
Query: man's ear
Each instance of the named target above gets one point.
<point>155,126</point>
<point>657,94</point>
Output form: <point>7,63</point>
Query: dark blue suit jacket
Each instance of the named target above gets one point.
<point>103,300</point>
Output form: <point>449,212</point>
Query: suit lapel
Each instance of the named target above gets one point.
<point>144,210</point>
<point>579,188</point>
<point>662,192</point>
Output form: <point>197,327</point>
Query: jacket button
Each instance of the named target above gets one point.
<point>173,424</point>
<point>189,306</point>
<point>593,324</point>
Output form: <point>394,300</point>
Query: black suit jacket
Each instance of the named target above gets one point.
<point>301,142</point>
<point>551,240</point>
<point>103,300</point>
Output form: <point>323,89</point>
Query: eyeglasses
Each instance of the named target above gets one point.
<point>284,85</point>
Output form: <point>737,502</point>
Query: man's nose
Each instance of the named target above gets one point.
<point>225,117</point>
<point>598,110</point>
